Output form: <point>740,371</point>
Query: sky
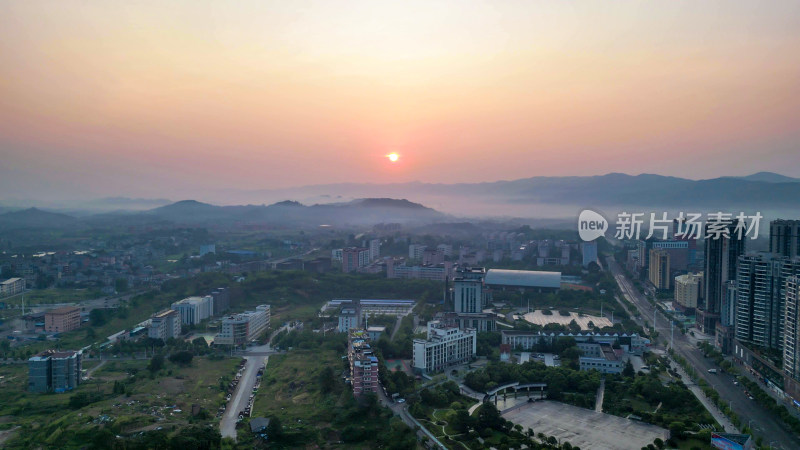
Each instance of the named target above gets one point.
<point>178,99</point>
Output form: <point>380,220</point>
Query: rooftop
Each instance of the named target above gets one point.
<point>64,310</point>
<point>523,278</point>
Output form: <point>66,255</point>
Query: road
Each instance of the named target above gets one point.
<point>255,356</point>
<point>241,395</point>
<point>763,422</point>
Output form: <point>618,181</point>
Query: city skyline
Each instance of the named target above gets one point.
<point>152,101</point>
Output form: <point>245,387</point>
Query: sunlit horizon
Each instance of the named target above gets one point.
<point>102,99</point>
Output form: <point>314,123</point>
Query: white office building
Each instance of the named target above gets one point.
<point>415,251</point>
<point>444,347</point>
<point>165,325</point>
<point>239,329</point>
<point>194,310</point>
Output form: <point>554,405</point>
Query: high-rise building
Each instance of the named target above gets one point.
<point>588,253</point>
<point>720,266</point>
<point>165,325</point>
<point>415,251</point>
<point>659,270</point>
<point>689,290</point>
<point>222,300</point>
<point>784,238</point>
<point>791,328</point>
<point>374,249</point>
<point>363,363</point>
<point>54,371</point>
<point>349,316</point>
<point>444,347</point>
<point>469,291</point>
<point>60,320</point>
<point>353,258</point>
<point>760,294</point>
<point>194,310</point>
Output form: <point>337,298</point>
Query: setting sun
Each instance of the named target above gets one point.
<point>393,157</point>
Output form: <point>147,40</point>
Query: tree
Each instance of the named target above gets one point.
<point>182,358</point>
<point>462,421</point>
<point>156,363</point>
<point>326,380</point>
<point>97,317</point>
<point>274,429</point>
<point>628,370</point>
<point>489,417</point>
<point>659,443</point>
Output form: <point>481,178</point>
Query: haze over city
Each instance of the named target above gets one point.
<point>192,100</point>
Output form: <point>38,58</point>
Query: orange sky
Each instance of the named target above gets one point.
<point>101,98</point>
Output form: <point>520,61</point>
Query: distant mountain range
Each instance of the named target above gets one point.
<point>763,190</point>
<point>367,204</point>
<point>366,211</point>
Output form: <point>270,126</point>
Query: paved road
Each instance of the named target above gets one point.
<point>763,422</point>
<point>601,391</point>
<point>241,395</point>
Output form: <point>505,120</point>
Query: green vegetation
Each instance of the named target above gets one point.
<point>563,384</point>
<point>123,398</point>
<point>304,390</point>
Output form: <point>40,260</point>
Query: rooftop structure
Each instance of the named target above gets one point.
<point>528,279</point>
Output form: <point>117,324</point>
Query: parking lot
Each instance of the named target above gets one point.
<point>583,427</point>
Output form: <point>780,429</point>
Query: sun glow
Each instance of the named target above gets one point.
<point>393,157</point>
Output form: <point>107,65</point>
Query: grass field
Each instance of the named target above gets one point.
<point>164,400</point>
<point>316,413</point>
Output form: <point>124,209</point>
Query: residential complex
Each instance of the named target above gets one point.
<point>721,255</point>
<point>239,329</point>
<point>11,286</point>
<point>760,293</point>
<point>791,329</point>
<point>60,320</point>
<point>659,269</point>
<point>363,363</point>
<point>165,325</point>
<point>784,238</point>
<point>688,290</point>
<point>54,371</point>
<point>444,347</point>
<point>353,258</point>
<point>194,310</point>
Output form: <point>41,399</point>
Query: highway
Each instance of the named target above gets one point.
<point>762,422</point>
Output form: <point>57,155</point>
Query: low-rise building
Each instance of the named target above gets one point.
<point>529,340</point>
<point>165,325</point>
<point>444,347</point>
<point>12,286</point>
<point>61,320</point>
<point>601,357</point>
<point>53,371</point>
<point>239,329</point>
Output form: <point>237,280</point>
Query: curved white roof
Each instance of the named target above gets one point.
<point>523,278</point>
